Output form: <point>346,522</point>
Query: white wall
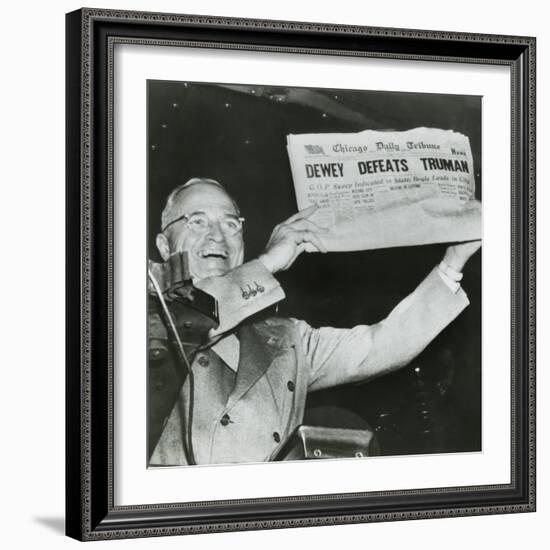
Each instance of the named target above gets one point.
<point>32,388</point>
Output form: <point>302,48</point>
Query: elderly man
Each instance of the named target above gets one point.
<point>250,385</point>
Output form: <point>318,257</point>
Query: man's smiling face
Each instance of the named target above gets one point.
<point>206,232</point>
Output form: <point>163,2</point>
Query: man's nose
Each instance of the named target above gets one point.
<point>215,232</point>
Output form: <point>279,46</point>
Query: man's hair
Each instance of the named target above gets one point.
<point>167,213</point>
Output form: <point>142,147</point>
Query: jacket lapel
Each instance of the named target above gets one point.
<point>260,345</point>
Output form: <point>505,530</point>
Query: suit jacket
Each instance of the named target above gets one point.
<point>245,416</point>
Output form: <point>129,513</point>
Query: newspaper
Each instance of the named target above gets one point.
<point>383,189</point>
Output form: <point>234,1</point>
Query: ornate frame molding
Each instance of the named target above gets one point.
<point>91,36</point>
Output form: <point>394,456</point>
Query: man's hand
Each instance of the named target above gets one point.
<point>292,237</point>
<point>457,255</point>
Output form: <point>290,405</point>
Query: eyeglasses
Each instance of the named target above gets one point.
<point>200,223</point>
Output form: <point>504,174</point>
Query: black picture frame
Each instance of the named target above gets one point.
<point>90,510</point>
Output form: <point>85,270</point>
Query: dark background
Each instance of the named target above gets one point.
<point>237,135</point>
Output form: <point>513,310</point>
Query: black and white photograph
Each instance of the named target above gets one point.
<point>300,276</point>
<point>314,273</point>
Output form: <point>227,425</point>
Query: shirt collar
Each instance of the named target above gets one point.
<point>228,350</point>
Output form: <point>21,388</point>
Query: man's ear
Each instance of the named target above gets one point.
<point>163,245</point>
